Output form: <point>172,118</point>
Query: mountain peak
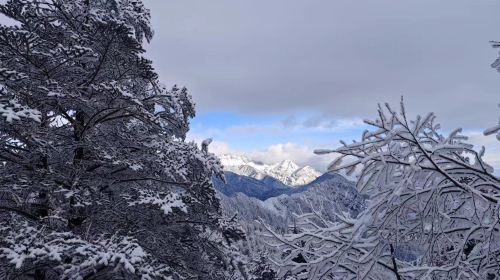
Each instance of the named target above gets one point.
<point>286,171</point>
<point>286,166</point>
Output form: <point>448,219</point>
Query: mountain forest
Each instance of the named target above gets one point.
<point>99,178</point>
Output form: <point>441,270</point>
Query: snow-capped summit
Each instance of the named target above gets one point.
<point>305,175</point>
<point>285,166</point>
<point>286,171</point>
<point>233,160</point>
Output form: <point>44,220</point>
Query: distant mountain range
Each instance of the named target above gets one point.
<point>274,202</point>
<point>264,181</point>
<point>286,171</point>
<point>272,194</point>
<point>268,186</point>
<point>253,185</point>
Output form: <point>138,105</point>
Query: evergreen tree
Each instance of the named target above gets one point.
<point>96,179</point>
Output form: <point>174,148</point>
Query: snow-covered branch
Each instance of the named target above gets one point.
<point>432,208</point>
<point>85,124</point>
<point>72,257</point>
<point>494,130</point>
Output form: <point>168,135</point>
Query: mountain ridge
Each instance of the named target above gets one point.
<point>330,194</point>
<point>286,171</point>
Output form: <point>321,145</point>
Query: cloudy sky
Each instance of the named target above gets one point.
<point>276,79</point>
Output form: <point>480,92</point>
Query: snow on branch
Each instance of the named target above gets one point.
<point>494,129</point>
<point>166,202</point>
<point>25,245</point>
<point>84,120</point>
<point>432,209</point>
<point>10,75</point>
<point>14,111</point>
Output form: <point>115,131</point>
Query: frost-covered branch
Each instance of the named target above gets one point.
<point>494,130</point>
<point>72,257</point>
<point>432,208</point>
<point>92,145</point>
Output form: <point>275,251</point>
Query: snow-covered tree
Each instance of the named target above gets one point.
<point>96,180</point>
<point>432,209</point>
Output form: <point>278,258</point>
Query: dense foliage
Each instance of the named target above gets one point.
<point>96,180</point>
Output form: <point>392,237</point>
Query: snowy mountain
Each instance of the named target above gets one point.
<point>288,172</point>
<point>329,194</point>
<point>260,189</point>
<point>260,197</point>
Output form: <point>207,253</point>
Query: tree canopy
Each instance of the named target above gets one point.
<point>96,178</point>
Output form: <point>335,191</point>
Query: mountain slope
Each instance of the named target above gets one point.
<point>235,183</point>
<point>328,195</point>
<point>268,203</point>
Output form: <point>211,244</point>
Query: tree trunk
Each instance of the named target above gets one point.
<point>394,265</point>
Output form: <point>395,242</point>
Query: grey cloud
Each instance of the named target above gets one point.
<point>313,122</point>
<point>323,121</point>
<point>334,57</point>
<point>289,121</point>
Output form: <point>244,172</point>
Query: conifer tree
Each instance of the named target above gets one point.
<point>96,178</point>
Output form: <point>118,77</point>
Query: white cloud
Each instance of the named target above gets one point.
<point>320,123</point>
<point>216,147</point>
<point>220,148</point>
<point>300,154</point>
<point>277,152</point>
<point>303,154</point>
